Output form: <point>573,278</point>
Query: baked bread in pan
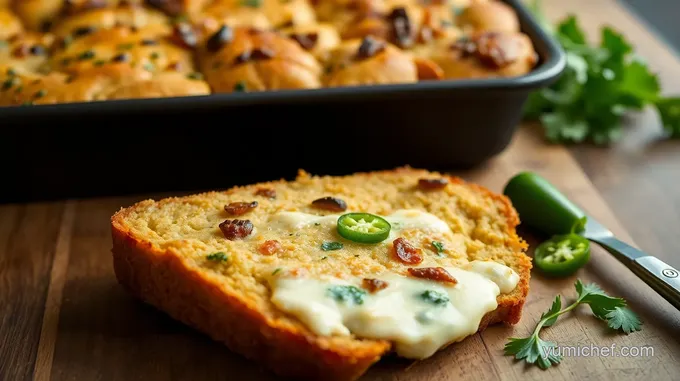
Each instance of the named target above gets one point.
<point>119,48</point>
<point>265,269</point>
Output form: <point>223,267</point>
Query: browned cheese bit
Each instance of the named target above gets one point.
<point>236,229</point>
<point>438,274</point>
<point>406,253</point>
<point>240,208</point>
<point>432,184</point>
<point>374,285</point>
<point>330,203</point>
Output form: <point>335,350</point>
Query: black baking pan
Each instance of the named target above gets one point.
<point>216,141</point>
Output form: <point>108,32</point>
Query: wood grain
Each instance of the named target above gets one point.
<point>27,240</point>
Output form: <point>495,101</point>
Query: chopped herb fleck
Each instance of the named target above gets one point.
<point>434,297</point>
<point>180,19</point>
<point>65,61</point>
<point>11,72</point>
<point>240,87</point>
<point>28,103</point>
<point>155,55</point>
<point>149,66</point>
<point>99,63</point>
<point>126,46</point>
<point>9,82</point>
<point>328,246</point>
<point>251,3</point>
<point>278,270</point>
<point>195,76</point>
<point>67,41</point>
<point>317,224</point>
<point>217,257</point>
<point>86,55</point>
<point>347,294</point>
<point>324,258</point>
<point>438,246</point>
<point>19,89</point>
<point>40,93</point>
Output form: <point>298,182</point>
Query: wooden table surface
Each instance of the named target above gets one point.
<point>64,317</point>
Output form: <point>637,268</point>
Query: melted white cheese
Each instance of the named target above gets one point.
<point>399,313</point>
<point>404,219</point>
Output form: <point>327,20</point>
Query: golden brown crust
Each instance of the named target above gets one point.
<point>255,60</point>
<point>313,42</point>
<point>165,279</point>
<point>347,67</point>
<point>486,54</point>
<point>490,16</point>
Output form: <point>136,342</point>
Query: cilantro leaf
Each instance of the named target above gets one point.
<point>622,318</point>
<point>669,111</point>
<point>569,30</point>
<point>554,310</point>
<point>601,82</point>
<point>533,350</point>
<point>600,303</point>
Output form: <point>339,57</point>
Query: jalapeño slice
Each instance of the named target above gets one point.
<point>562,255</point>
<point>363,227</point>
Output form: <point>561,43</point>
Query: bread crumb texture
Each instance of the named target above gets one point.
<point>187,228</point>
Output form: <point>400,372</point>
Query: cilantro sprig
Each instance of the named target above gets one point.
<point>611,310</point>
<point>599,85</point>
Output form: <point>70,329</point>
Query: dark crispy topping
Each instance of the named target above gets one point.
<point>270,247</point>
<point>330,203</point>
<point>259,54</point>
<point>374,285</point>
<point>183,34</point>
<point>492,49</point>
<point>171,7</point>
<point>38,50</point>
<point>21,51</point>
<point>369,47</point>
<point>176,66</point>
<point>306,40</point>
<point>438,274</point>
<point>122,57</point>
<point>406,253</point>
<point>266,192</point>
<point>236,229</point>
<point>83,31</point>
<point>46,25</point>
<point>222,37</point>
<point>148,42</point>
<point>401,30</point>
<point>240,208</point>
<point>432,184</point>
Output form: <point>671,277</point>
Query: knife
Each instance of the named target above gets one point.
<point>542,207</point>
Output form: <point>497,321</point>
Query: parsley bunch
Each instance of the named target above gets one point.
<point>600,84</point>
<point>613,311</point>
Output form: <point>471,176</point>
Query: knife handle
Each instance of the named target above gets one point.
<point>658,275</point>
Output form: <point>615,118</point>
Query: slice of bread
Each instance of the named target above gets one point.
<point>161,249</point>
